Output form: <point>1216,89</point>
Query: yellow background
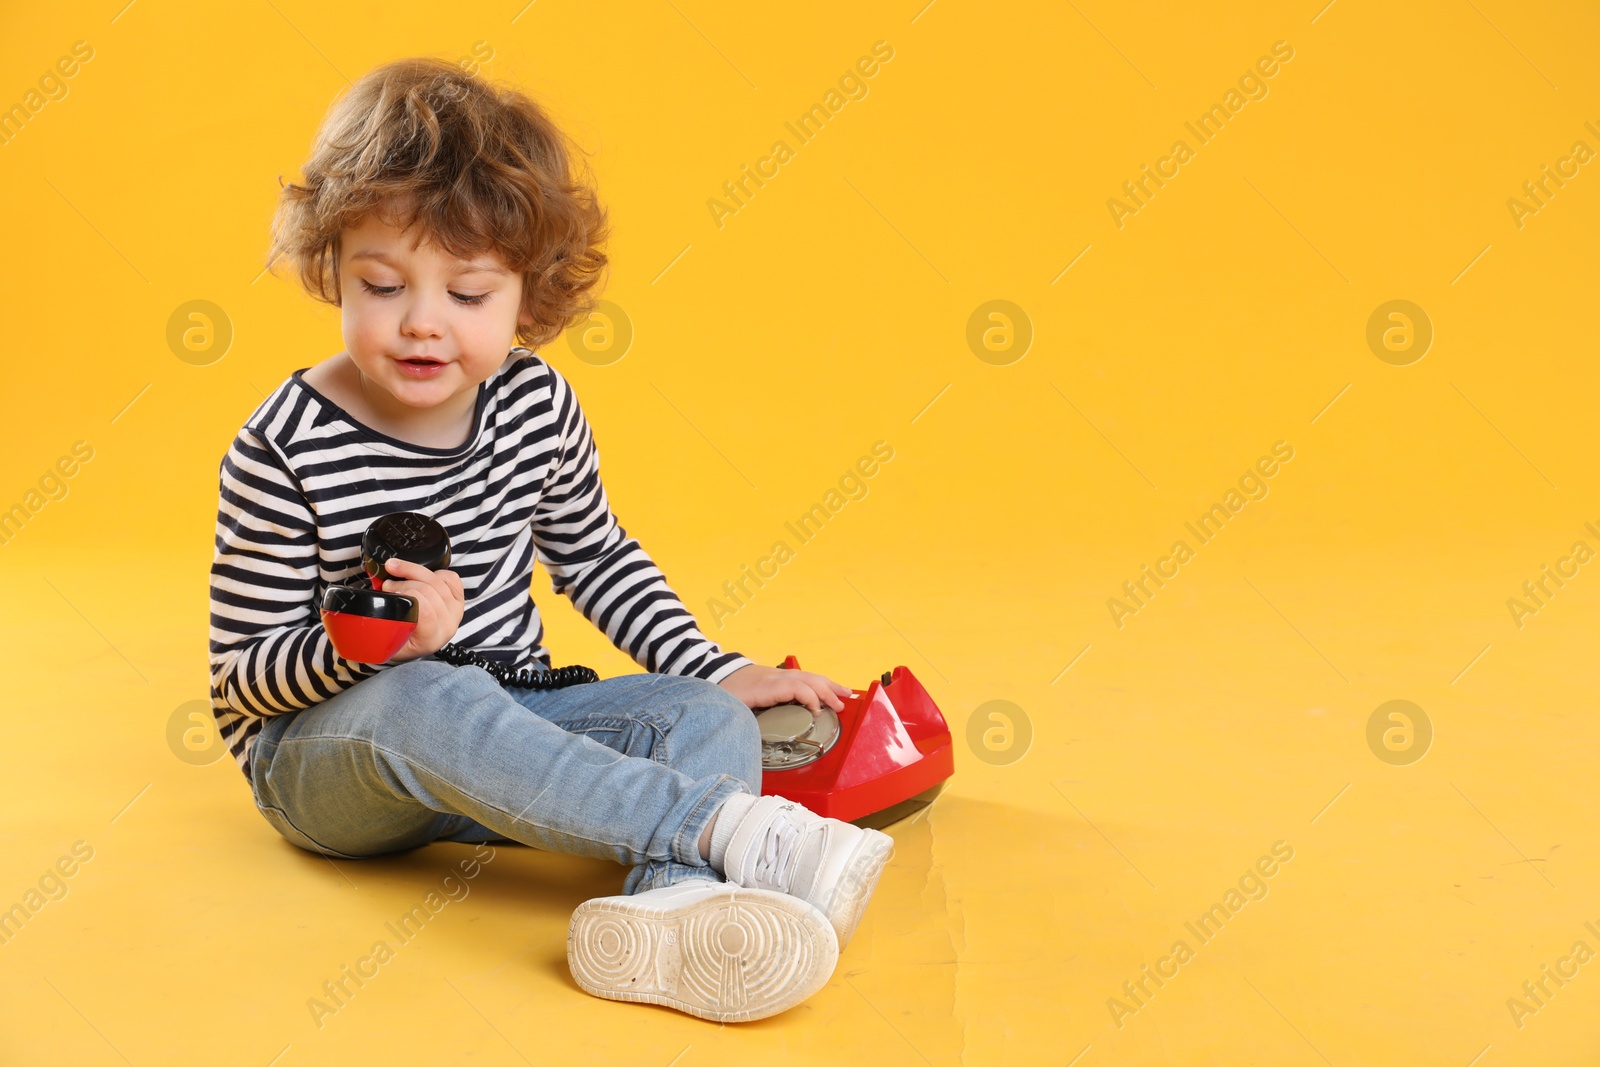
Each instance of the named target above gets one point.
<point>768,355</point>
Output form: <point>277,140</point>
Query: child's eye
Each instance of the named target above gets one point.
<point>387,290</point>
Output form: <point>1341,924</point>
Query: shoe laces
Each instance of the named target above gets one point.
<point>777,853</point>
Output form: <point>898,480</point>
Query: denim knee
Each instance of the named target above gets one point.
<point>393,684</point>
<point>436,674</point>
<point>726,721</point>
<point>419,693</point>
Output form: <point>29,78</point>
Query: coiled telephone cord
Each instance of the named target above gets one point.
<point>555,678</point>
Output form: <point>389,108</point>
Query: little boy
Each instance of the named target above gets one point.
<point>439,213</point>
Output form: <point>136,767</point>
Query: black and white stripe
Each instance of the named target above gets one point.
<point>302,480</point>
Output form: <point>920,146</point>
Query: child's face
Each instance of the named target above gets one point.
<point>463,313</point>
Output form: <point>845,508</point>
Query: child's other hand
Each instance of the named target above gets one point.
<point>440,605</point>
<point>761,686</point>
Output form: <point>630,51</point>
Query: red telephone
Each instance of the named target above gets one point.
<point>887,754</point>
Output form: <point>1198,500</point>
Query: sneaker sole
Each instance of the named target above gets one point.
<point>856,884</point>
<point>733,957</point>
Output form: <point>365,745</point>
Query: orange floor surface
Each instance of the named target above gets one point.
<point>1242,518</point>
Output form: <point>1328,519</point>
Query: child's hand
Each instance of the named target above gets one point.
<point>440,605</point>
<point>761,686</point>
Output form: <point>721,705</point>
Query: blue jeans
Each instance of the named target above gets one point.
<point>629,769</point>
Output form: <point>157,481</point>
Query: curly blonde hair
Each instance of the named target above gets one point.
<point>481,166</point>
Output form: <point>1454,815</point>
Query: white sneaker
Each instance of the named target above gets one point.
<point>780,845</point>
<point>711,949</point>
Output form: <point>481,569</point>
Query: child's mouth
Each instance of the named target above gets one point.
<point>421,368</point>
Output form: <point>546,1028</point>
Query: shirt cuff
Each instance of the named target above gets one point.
<point>728,668</point>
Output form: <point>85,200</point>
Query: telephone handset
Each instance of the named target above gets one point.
<point>368,625</point>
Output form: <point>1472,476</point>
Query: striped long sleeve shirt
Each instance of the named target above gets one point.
<point>302,480</point>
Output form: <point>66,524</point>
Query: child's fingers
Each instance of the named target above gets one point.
<point>813,691</point>
<point>425,593</point>
<point>825,696</point>
<point>796,689</point>
<point>786,687</point>
<point>826,690</point>
<point>404,568</point>
<point>433,613</point>
<point>449,581</point>
<point>406,587</point>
